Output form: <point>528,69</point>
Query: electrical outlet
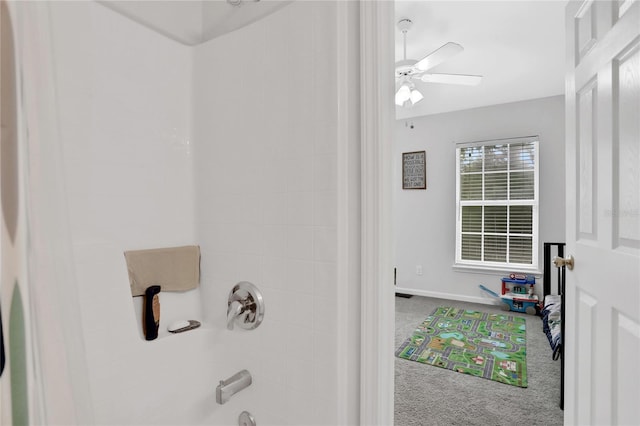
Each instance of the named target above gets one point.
<point>418,269</point>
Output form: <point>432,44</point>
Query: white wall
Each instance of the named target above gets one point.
<point>232,145</point>
<point>124,94</point>
<point>266,182</point>
<point>425,219</point>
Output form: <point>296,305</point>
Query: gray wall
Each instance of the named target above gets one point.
<point>425,220</point>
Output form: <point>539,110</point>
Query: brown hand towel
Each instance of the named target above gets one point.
<point>172,268</point>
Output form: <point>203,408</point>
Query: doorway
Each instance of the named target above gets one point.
<point>377,254</point>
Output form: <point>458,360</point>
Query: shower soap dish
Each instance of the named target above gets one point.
<point>183,325</point>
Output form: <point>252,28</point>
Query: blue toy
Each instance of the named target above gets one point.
<point>493,293</point>
<point>517,294</point>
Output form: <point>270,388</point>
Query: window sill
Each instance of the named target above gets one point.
<point>493,270</point>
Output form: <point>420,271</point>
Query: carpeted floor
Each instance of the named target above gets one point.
<point>426,395</point>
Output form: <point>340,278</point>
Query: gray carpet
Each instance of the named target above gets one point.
<point>426,395</point>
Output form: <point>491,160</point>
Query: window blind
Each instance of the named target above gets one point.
<point>497,203</point>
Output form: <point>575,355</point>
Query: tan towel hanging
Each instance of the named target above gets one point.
<point>172,268</point>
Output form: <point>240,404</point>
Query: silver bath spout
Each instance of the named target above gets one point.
<point>234,384</point>
<point>235,309</point>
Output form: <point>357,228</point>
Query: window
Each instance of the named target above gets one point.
<point>497,204</point>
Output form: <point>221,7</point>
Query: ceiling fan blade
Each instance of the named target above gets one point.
<point>438,56</point>
<point>467,80</point>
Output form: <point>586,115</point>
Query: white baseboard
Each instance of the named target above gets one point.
<point>449,296</point>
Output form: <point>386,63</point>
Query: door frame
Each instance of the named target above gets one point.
<point>377,291</point>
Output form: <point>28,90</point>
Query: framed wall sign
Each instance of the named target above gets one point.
<point>414,170</point>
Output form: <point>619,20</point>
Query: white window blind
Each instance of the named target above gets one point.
<point>497,204</point>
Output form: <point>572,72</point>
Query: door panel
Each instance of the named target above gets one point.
<point>625,392</point>
<point>626,95</point>
<point>584,344</point>
<point>602,339</point>
<point>587,99</point>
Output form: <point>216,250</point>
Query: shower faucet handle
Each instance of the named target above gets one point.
<point>245,306</point>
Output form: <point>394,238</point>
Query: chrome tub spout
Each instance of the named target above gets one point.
<point>234,384</point>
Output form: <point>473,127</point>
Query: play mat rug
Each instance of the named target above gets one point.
<point>486,345</point>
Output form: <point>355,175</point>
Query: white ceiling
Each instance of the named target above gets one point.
<point>193,22</point>
<point>518,46</point>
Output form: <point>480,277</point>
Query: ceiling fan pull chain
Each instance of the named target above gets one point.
<point>404,34</point>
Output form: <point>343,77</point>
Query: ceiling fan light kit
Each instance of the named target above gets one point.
<point>415,97</point>
<point>408,93</point>
<point>409,70</point>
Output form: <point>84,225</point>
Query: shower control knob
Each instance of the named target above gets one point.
<point>245,307</point>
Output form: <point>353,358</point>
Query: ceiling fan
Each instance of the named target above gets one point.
<point>410,70</point>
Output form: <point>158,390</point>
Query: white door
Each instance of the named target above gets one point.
<point>603,213</point>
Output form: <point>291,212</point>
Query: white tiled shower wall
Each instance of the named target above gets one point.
<point>230,145</point>
<point>266,156</point>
